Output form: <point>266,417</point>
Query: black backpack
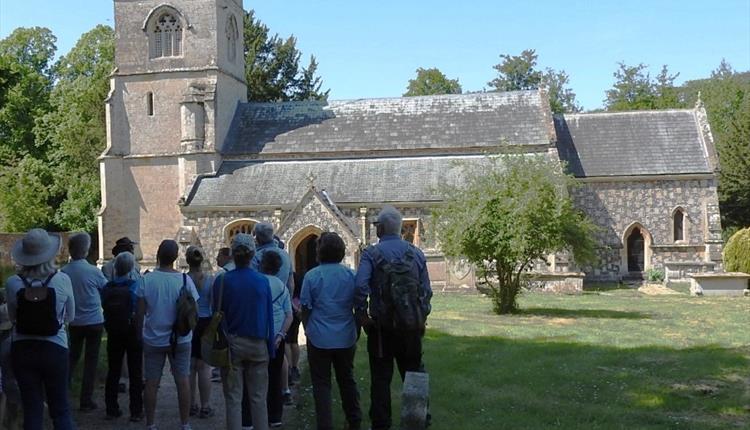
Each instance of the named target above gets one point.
<point>401,307</point>
<point>187,311</point>
<point>36,312</point>
<point>118,307</point>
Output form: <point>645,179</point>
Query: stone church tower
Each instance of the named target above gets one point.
<point>178,80</point>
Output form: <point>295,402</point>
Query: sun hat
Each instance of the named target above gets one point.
<point>243,239</point>
<point>36,247</point>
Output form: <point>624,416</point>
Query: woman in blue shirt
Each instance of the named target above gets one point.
<point>327,301</point>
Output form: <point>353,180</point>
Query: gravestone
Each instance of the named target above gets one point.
<point>415,401</point>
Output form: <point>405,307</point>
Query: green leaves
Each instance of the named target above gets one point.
<point>432,82</point>
<point>507,214</point>
<point>635,89</point>
<point>272,69</point>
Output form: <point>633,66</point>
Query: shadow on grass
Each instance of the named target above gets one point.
<point>582,313</point>
<point>511,384</point>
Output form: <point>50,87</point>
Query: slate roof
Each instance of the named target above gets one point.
<point>284,183</point>
<point>632,143</point>
<point>356,127</point>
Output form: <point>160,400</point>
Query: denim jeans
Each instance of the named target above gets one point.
<point>118,345</point>
<point>384,346</point>
<point>91,337</point>
<point>249,365</point>
<point>342,361</point>
<point>41,367</point>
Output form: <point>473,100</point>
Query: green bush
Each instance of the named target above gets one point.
<point>737,252</point>
<point>655,275</point>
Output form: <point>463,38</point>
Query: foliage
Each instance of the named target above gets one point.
<point>635,89</point>
<point>76,127</point>
<point>431,81</point>
<point>655,275</point>
<point>509,214</point>
<point>26,200</point>
<point>26,79</point>
<point>737,252</point>
<point>272,67</point>
<point>518,72</point>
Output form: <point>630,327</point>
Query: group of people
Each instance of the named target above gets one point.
<point>260,305</point>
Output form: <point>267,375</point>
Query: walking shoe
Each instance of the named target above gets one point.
<point>206,412</point>
<point>136,418</point>
<point>88,407</point>
<point>194,410</point>
<point>112,415</point>
<point>275,424</point>
<point>288,401</point>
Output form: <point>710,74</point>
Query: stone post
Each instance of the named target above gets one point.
<point>415,401</point>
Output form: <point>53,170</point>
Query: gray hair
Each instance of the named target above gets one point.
<point>78,245</point>
<point>124,263</point>
<point>40,271</point>
<point>263,232</point>
<point>390,220</point>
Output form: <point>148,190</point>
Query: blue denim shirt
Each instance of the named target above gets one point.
<point>328,292</point>
<point>393,248</point>
<point>88,282</point>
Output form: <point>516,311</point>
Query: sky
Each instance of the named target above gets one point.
<point>372,48</point>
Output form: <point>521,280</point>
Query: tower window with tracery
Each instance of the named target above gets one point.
<point>232,36</point>
<point>166,37</point>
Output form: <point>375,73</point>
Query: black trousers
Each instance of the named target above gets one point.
<point>91,337</point>
<point>275,398</point>
<point>384,346</point>
<point>117,346</point>
<point>342,361</point>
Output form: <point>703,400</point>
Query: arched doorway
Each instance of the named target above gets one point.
<point>306,254</point>
<point>636,246</point>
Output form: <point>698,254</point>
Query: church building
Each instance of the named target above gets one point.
<point>189,158</point>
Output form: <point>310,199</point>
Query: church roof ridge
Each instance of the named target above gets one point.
<point>625,112</point>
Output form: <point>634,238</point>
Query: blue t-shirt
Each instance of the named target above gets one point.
<point>282,304</point>
<point>285,271</point>
<point>246,304</point>
<point>328,292</point>
<point>88,282</point>
<point>66,306</point>
<point>161,290</point>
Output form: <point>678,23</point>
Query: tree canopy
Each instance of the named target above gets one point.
<point>519,72</point>
<point>509,214</point>
<point>273,70</point>
<point>431,82</point>
<point>635,89</point>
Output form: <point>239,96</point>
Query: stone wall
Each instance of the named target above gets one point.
<point>617,206</point>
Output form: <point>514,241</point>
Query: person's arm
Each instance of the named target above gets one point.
<point>362,282</point>
<point>11,300</point>
<point>140,311</point>
<point>70,302</point>
<point>287,304</point>
<point>425,295</point>
<point>306,300</point>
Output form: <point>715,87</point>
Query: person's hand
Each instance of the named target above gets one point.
<point>277,341</point>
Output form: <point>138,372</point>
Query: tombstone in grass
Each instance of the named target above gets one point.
<point>415,401</point>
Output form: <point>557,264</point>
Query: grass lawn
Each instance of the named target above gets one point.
<point>613,359</point>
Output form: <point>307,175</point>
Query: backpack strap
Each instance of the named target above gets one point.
<point>46,282</point>
<point>279,296</point>
<point>221,292</point>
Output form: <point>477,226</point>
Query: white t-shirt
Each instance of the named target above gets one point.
<point>160,290</point>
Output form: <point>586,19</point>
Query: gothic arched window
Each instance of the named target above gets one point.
<point>232,36</point>
<point>166,36</point>
<point>236,227</point>
<point>678,224</point>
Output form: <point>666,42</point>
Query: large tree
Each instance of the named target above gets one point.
<point>273,70</point>
<point>635,89</point>
<point>26,79</point>
<point>519,72</point>
<point>507,215</point>
<point>431,82</point>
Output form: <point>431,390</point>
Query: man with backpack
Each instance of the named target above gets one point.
<point>164,297</point>
<point>393,275</point>
<point>119,303</point>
